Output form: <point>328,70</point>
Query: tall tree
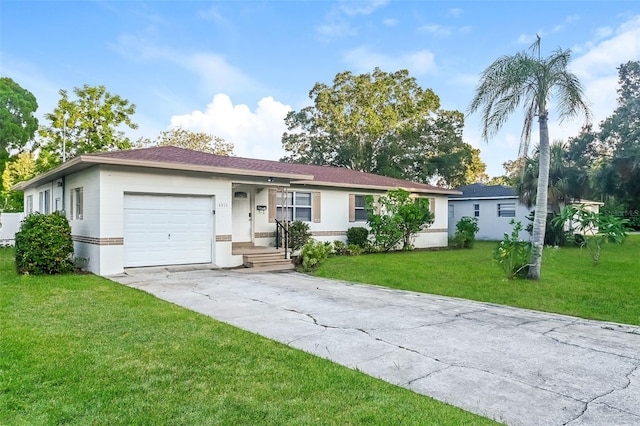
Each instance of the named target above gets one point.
<point>528,80</point>
<point>91,122</point>
<point>184,138</point>
<point>18,125</point>
<point>567,181</point>
<point>19,168</point>
<point>619,144</point>
<point>381,122</point>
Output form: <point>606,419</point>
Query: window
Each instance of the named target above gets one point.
<point>452,212</point>
<point>297,205</point>
<point>357,211</point>
<point>44,202</point>
<point>476,210</point>
<point>507,210</point>
<point>29,207</point>
<point>77,201</point>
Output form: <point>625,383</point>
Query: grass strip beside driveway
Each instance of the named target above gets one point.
<point>80,349</point>
<point>570,284</point>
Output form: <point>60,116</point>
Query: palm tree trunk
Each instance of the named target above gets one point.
<point>540,219</point>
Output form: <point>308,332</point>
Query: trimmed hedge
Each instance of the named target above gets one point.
<point>44,245</point>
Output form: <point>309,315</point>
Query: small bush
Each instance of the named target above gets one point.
<point>466,230</point>
<point>354,250</point>
<point>341,249</point>
<point>299,234</point>
<point>313,253</point>
<point>44,245</point>
<point>358,236</point>
<point>513,254</point>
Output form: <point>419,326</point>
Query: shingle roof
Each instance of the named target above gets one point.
<point>320,174</point>
<point>479,190</point>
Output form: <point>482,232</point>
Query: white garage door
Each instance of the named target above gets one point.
<point>167,230</point>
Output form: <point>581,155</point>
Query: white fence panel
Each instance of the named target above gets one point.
<point>9,225</point>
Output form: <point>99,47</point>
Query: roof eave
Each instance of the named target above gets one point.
<point>90,160</point>
<point>375,187</point>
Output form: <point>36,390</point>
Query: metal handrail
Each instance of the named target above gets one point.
<point>282,226</point>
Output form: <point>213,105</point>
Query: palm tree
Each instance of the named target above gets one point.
<point>567,181</point>
<point>525,79</point>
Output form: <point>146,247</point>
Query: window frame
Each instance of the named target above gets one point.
<point>76,203</point>
<point>293,197</point>
<point>28,208</point>
<point>362,209</point>
<point>44,201</point>
<point>506,209</point>
<point>476,210</point>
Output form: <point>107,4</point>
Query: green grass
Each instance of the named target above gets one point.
<point>570,284</point>
<point>82,350</point>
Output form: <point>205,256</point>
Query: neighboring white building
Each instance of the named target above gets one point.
<point>494,206</point>
<point>167,205</point>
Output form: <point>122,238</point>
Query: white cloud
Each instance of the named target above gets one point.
<point>337,21</point>
<point>456,12</point>
<point>390,22</point>
<point>255,134</point>
<point>361,7</point>
<point>216,73</point>
<point>363,60</point>
<point>597,67</point>
<point>436,29</point>
<point>336,29</point>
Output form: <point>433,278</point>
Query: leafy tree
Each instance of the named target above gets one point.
<point>566,181</point>
<point>526,79</point>
<point>18,124</point>
<point>184,138</point>
<point>397,218</point>
<point>476,169</point>
<point>382,123</point>
<point>21,168</point>
<point>89,123</point>
<point>597,228</point>
<point>617,143</point>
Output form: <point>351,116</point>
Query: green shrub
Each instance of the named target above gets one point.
<point>466,230</point>
<point>342,249</point>
<point>44,245</point>
<point>358,236</point>
<point>299,234</point>
<point>354,250</point>
<point>513,254</point>
<point>597,228</point>
<point>555,233</point>
<point>313,253</point>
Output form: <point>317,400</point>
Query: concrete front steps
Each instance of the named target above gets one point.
<point>261,259</point>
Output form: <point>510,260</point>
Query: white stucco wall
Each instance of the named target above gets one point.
<point>491,226</point>
<point>116,182</point>
<point>99,234</point>
<point>335,218</point>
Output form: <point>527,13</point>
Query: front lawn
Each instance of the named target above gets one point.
<point>569,283</point>
<point>82,350</point>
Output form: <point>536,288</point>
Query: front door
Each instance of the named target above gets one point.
<point>241,210</point>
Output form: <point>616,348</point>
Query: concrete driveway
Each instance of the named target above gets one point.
<point>515,366</point>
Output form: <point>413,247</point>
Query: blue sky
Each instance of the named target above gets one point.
<point>234,68</point>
